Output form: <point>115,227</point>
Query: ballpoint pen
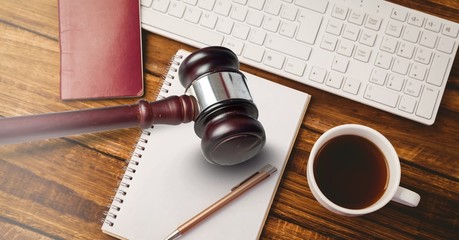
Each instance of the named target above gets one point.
<point>236,191</point>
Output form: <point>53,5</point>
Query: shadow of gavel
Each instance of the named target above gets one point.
<point>218,101</point>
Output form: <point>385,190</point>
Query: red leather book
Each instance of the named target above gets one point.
<point>101,49</point>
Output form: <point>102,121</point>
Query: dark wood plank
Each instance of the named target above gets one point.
<point>15,232</point>
<point>54,186</point>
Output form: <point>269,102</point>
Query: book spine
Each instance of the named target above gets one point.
<point>135,163</point>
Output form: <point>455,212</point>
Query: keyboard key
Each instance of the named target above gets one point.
<point>398,14</point>
<point>438,69</point>
<point>345,48</point>
<point>334,80</point>
<point>235,45</point>
<point>222,7</point>
<point>378,76</point>
<point>423,55</point>
<point>368,38</point>
<point>329,43</point>
<point>427,102</point>
<point>413,87</point>
<point>189,31</point>
<point>208,20</point>
<point>295,67</point>
<point>317,74</point>
<point>446,45</point>
<point>362,54</point>
<point>411,34</point>
<point>416,19</point>
<point>255,18</point>
<point>381,95</point>
<point>289,47</point>
<point>287,29</point>
<point>351,86</point>
<point>394,28</point>
<point>334,27</point>
<point>418,71</point>
<point>224,25</point>
<point>356,17</point>
<point>254,52</point>
<point>161,5</point>
<point>271,23</point>
<point>340,12</point>
<point>318,6</point>
<point>177,10</point>
<point>274,60</point>
<point>401,66</point>
<point>206,4</point>
<point>406,50</point>
<point>395,82</point>
<point>309,27</point>
<point>146,3</point>
<point>192,15</point>
<point>241,31</point>
<point>433,25</point>
<point>428,39</point>
<point>239,13</point>
<point>289,12</point>
<point>258,4</point>
<point>450,30</point>
<point>257,36</point>
<point>373,22</point>
<point>389,44</point>
<point>383,60</point>
<point>351,32</point>
<point>407,104</point>
<point>273,7</point>
<point>340,64</point>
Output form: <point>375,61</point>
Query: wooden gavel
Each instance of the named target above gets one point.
<point>172,110</point>
<point>219,102</point>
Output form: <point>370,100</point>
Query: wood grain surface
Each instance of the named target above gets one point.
<point>60,188</point>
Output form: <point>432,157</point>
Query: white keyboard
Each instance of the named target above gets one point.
<point>371,51</point>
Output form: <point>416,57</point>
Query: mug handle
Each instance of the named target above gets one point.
<point>406,197</point>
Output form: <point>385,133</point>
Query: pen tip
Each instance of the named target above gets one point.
<point>174,235</point>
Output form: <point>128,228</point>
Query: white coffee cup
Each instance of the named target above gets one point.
<point>392,192</point>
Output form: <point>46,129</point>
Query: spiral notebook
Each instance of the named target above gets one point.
<point>168,180</point>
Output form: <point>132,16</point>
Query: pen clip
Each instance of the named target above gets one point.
<point>247,179</point>
<point>268,169</point>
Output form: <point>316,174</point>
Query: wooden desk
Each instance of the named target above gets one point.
<point>60,188</point>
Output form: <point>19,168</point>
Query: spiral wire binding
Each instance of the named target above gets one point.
<point>167,76</point>
<point>137,154</point>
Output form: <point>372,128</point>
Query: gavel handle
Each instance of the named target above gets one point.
<point>172,110</point>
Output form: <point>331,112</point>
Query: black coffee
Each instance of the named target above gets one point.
<point>351,171</point>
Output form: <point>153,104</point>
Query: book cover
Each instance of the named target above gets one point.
<point>168,181</point>
<point>101,49</point>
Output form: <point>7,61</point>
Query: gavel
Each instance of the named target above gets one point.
<point>216,98</point>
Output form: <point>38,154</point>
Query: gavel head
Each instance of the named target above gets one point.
<point>227,121</point>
